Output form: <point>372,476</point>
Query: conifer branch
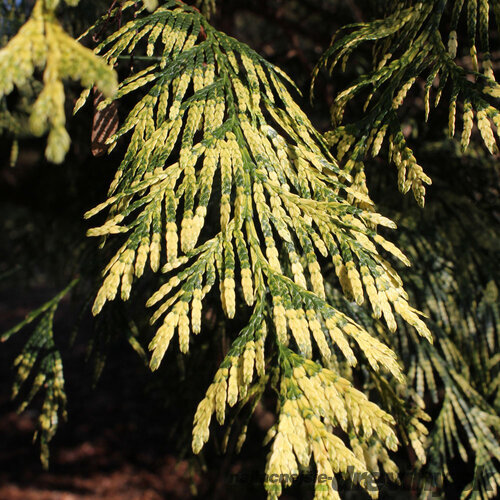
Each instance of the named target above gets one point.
<point>408,46</point>
<point>223,176</point>
<point>42,44</point>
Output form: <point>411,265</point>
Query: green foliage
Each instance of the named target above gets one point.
<point>207,7</point>
<point>39,364</point>
<point>408,46</point>
<point>455,284</point>
<point>460,297</point>
<point>227,198</point>
<point>42,44</point>
<point>223,106</point>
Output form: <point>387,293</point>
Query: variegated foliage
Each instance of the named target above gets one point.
<point>39,364</point>
<point>225,182</point>
<point>454,244</point>
<point>42,44</point>
<point>228,190</point>
<point>408,52</point>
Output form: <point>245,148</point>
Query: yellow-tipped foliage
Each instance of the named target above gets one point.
<point>226,183</point>
<point>42,44</point>
<point>407,45</point>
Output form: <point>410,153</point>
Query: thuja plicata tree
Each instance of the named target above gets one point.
<point>225,197</point>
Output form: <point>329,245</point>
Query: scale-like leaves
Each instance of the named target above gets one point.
<point>42,44</point>
<point>454,282</point>
<point>227,189</point>
<point>39,365</point>
<point>225,181</point>
<point>313,400</point>
<point>409,47</point>
<point>280,193</point>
